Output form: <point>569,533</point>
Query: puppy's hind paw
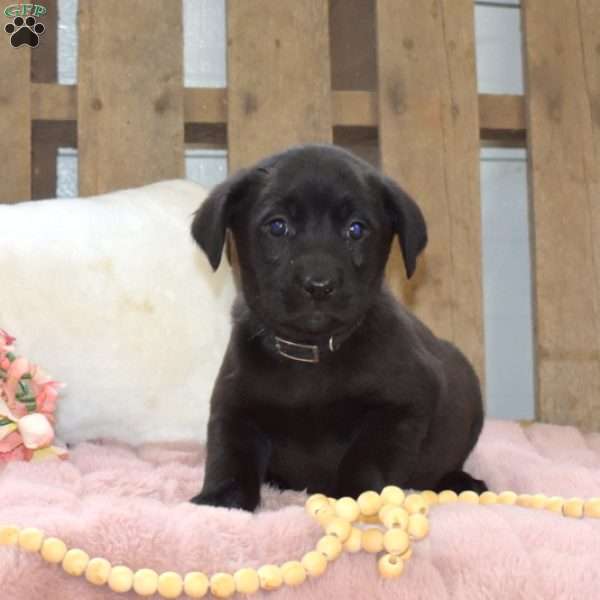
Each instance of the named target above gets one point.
<point>226,497</point>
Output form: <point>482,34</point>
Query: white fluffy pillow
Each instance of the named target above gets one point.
<point>111,296</point>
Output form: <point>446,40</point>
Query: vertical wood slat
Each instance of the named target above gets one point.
<point>429,142</point>
<point>563,117</point>
<point>15,121</point>
<point>279,81</point>
<point>130,93</point>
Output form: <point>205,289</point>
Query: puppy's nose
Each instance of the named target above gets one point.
<point>318,288</point>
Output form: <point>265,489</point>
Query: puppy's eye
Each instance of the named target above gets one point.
<point>356,230</point>
<point>278,228</point>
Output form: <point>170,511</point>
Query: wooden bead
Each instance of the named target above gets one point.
<point>314,563</point>
<point>392,494</point>
<point>488,498</point>
<point>507,497</point>
<point>406,555</point>
<point>120,579</point>
<point>170,584</point>
<point>573,507</point>
<point>372,540</point>
<point>369,503</point>
<point>430,497</point>
<point>53,550</point>
<point>538,501</point>
<point>418,526</point>
<point>397,517</point>
<point>354,542</point>
<point>390,566</point>
<point>325,515</point>
<point>330,546</point>
<point>315,503</point>
<point>247,581</point>
<point>75,562</point>
<point>97,571</point>
<point>524,500</point>
<point>591,508</point>
<point>270,576</point>
<point>396,541</point>
<point>195,584</point>
<point>347,508</point>
<point>447,497</point>
<point>30,539</point>
<point>145,582</point>
<point>293,573</point>
<point>555,504</point>
<point>340,528</point>
<point>9,535</point>
<point>222,585</point>
<point>414,503</point>
<point>468,497</point>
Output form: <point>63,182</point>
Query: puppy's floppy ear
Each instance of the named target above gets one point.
<point>407,221</point>
<point>213,217</point>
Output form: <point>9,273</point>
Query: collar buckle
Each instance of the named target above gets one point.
<point>299,352</point>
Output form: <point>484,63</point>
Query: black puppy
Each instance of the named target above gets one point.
<point>328,384</point>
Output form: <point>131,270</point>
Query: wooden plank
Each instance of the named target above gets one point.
<point>279,82</point>
<point>130,93</point>
<point>429,141</point>
<point>15,122</point>
<point>563,112</point>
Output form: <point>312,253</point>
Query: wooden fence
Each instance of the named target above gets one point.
<point>393,80</point>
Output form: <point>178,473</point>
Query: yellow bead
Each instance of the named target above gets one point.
<point>555,504</point>
<point>469,497</point>
<point>195,584</point>
<point>573,507</point>
<point>315,503</point>
<point>414,503</point>
<point>270,577</point>
<point>430,497</point>
<point>370,519</point>
<point>347,508</point>
<point>369,503</point>
<point>293,573</point>
<point>524,500</point>
<point>145,582</point>
<point>507,497</point>
<point>75,562</point>
<point>315,563</point>
<point>396,541</point>
<point>330,546</point>
<point>488,498</point>
<point>447,497</point>
<point>222,585</point>
<point>539,501</point>
<point>390,566</point>
<point>325,515</point>
<point>591,508</point>
<point>418,526</point>
<point>170,584</point>
<point>372,540</point>
<point>392,494</point>
<point>9,535</point>
<point>397,517</point>
<point>97,571</point>
<point>246,581</point>
<point>120,579</point>
<point>53,550</point>
<point>31,539</point>
<point>406,555</point>
<point>354,542</point>
<point>340,528</point>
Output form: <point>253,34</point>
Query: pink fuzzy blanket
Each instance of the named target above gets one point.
<point>129,505</point>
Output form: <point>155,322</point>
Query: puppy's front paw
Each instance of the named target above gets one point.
<point>227,496</point>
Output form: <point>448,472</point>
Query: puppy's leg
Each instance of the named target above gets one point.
<point>236,463</point>
<point>459,481</point>
<point>385,452</point>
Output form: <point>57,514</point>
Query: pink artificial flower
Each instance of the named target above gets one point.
<point>47,397</point>
<point>36,431</point>
<point>10,442</point>
<point>5,339</point>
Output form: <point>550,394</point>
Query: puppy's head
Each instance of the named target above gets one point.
<point>313,228</point>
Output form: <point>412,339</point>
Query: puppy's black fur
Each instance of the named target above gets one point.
<point>393,404</point>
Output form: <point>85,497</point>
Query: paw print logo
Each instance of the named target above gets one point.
<point>24,31</point>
